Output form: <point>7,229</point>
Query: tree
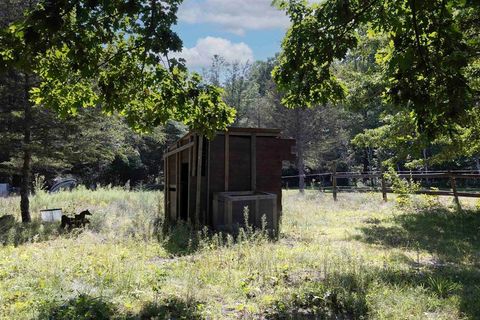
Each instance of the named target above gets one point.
<point>240,91</point>
<point>141,159</point>
<point>259,111</point>
<point>321,134</point>
<point>247,87</point>
<point>57,145</point>
<point>431,53</point>
<point>74,54</point>
<point>364,80</point>
<point>293,124</point>
<point>216,71</point>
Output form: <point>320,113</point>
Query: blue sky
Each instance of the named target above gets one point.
<point>237,30</point>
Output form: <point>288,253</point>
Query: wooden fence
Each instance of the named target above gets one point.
<point>379,182</point>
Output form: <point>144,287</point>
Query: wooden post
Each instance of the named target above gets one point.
<point>191,155</point>
<point>215,211</point>
<point>334,181</point>
<point>258,217</point>
<point>453,182</point>
<point>209,161</point>
<point>227,160</point>
<point>177,186</point>
<point>229,209</point>
<point>384,186</point>
<point>254,162</point>
<point>275,219</point>
<point>199,180</point>
<point>166,194</point>
<point>194,160</point>
<point>190,163</point>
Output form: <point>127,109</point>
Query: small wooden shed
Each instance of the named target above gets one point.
<point>216,182</point>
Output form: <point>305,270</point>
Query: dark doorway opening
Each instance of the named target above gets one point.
<point>184,172</point>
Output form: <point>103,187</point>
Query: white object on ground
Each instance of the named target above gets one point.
<point>3,189</point>
<point>51,215</point>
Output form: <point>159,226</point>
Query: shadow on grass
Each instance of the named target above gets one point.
<point>444,281</point>
<point>35,231</point>
<point>171,308</point>
<point>341,297</point>
<point>82,307</point>
<point>85,307</point>
<point>452,237</point>
<point>181,240</point>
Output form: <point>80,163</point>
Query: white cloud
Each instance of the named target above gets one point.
<point>201,55</point>
<point>235,16</point>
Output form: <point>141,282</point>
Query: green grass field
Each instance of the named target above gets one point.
<point>358,258</point>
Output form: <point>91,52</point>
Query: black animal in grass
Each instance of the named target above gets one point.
<point>78,221</point>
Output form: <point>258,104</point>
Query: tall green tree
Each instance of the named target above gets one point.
<point>431,53</point>
<point>73,54</point>
<point>240,89</point>
<point>363,77</point>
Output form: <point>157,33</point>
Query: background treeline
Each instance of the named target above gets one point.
<point>361,133</point>
<point>90,146</point>
<point>357,133</point>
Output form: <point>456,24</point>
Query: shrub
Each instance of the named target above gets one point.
<point>403,188</point>
<point>82,307</point>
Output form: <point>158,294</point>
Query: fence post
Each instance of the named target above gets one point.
<point>334,181</point>
<point>453,182</point>
<point>384,186</point>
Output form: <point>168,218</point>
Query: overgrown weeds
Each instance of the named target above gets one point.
<point>357,258</point>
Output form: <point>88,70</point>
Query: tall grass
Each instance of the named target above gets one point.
<point>356,258</point>
<point>117,214</point>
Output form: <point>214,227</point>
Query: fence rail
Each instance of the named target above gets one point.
<point>379,182</point>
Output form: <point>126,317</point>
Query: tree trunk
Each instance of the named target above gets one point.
<point>27,156</point>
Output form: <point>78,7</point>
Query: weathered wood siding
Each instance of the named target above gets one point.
<point>241,160</point>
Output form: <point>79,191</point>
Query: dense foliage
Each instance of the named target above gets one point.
<point>114,54</point>
<point>427,65</point>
